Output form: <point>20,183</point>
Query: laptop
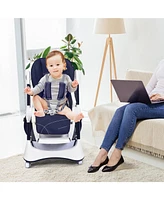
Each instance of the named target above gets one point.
<point>132,91</point>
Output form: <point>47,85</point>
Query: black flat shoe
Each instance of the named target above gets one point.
<point>93,169</point>
<point>112,168</point>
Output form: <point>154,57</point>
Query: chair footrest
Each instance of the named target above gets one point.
<point>53,140</point>
<point>53,147</point>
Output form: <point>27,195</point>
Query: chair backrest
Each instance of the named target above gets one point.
<point>38,70</point>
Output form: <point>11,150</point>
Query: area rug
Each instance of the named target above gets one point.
<point>13,169</point>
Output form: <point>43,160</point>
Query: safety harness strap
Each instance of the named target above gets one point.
<point>48,96</point>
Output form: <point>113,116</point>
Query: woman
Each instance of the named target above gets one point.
<point>124,122</point>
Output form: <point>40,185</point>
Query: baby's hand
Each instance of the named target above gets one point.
<point>75,83</point>
<point>28,91</point>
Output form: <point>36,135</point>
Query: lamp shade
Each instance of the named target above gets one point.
<point>109,26</point>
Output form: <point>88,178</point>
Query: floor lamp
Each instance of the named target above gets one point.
<point>108,26</point>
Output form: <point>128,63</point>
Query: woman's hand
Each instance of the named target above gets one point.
<point>156,97</point>
<point>75,83</point>
<point>28,91</point>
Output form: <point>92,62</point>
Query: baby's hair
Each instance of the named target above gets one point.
<point>54,53</point>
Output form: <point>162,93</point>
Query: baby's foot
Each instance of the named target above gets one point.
<point>78,117</point>
<point>39,113</point>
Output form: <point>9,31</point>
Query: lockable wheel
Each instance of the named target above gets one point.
<point>27,164</point>
<point>80,162</point>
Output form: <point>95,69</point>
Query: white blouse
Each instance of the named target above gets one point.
<point>156,83</point>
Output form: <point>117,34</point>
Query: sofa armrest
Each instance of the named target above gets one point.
<point>100,116</point>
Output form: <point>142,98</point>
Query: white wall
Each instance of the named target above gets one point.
<point>141,47</point>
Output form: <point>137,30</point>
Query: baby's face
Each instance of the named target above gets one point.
<point>55,66</point>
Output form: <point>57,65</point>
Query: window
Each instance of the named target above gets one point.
<point>38,34</point>
<point>43,32</point>
<point>9,101</point>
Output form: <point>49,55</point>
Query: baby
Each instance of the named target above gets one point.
<point>55,63</point>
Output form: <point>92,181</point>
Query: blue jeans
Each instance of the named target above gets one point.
<point>124,122</point>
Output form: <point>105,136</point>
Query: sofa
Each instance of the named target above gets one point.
<point>148,136</point>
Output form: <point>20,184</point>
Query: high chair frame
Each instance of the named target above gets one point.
<point>46,146</point>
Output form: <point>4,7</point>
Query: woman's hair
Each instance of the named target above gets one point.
<point>54,53</point>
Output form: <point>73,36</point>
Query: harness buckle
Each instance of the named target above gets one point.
<point>52,112</point>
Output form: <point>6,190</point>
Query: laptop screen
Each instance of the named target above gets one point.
<point>131,91</point>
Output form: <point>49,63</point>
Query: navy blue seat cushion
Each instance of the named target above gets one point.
<point>55,124</point>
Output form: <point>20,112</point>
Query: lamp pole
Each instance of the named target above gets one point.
<point>108,43</point>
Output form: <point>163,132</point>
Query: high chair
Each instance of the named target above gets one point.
<point>52,136</point>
